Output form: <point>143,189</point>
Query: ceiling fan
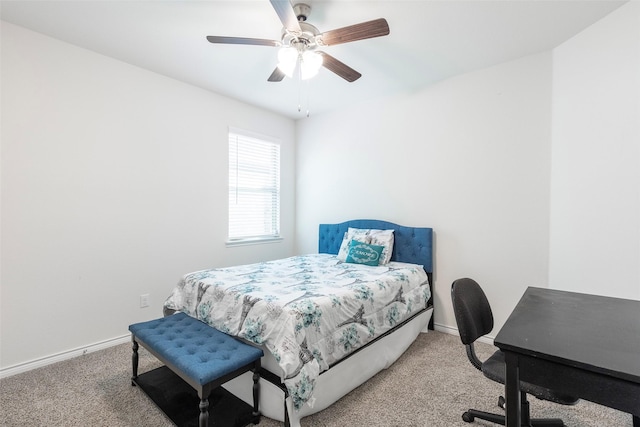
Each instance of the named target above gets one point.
<point>300,42</point>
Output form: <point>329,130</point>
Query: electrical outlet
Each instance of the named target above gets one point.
<point>144,300</point>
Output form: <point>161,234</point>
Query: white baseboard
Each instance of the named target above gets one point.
<point>65,355</point>
<point>488,339</point>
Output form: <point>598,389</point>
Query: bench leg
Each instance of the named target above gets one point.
<point>204,413</point>
<point>256,395</point>
<point>134,361</point>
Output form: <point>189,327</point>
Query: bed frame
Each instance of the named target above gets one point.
<point>411,244</point>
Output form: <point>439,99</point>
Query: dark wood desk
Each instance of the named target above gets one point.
<point>585,345</point>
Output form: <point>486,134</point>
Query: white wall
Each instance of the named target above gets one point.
<point>595,192</point>
<point>113,185</point>
<point>469,157</point>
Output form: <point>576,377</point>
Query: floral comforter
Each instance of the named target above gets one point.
<point>309,311</point>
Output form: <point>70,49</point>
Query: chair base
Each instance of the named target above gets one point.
<point>472,414</point>
<point>525,420</point>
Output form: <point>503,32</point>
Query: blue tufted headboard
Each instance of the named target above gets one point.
<point>411,244</point>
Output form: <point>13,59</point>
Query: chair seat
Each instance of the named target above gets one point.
<point>494,369</point>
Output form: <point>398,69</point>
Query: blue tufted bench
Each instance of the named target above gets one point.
<point>202,356</point>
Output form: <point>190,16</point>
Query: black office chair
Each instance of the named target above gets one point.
<point>475,319</point>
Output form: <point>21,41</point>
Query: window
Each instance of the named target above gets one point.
<point>254,187</point>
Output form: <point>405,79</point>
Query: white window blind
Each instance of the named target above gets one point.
<point>254,187</point>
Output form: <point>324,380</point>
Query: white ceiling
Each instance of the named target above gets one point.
<point>429,41</point>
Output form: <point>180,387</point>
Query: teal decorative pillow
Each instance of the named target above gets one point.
<point>364,253</point>
<point>351,235</point>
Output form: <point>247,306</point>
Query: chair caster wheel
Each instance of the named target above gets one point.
<point>502,402</point>
<point>467,417</point>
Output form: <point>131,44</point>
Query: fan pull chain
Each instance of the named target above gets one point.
<point>299,88</point>
<point>300,94</point>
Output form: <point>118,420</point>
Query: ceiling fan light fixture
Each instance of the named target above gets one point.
<point>290,58</point>
<point>310,63</point>
<point>287,60</point>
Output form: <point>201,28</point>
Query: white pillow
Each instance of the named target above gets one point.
<point>371,236</point>
<point>383,238</point>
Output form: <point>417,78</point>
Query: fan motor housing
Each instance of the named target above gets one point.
<point>307,37</point>
<point>302,11</point>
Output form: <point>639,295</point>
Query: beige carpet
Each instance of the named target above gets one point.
<point>430,385</point>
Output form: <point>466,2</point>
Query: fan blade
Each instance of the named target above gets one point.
<point>243,40</point>
<point>340,68</point>
<point>364,30</point>
<point>287,15</point>
<point>276,76</point>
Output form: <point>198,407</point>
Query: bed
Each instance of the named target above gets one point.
<point>328,321</point>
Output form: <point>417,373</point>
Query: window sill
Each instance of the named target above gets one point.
<point>254,241</point>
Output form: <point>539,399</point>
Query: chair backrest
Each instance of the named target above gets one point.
<point>472,310</point>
